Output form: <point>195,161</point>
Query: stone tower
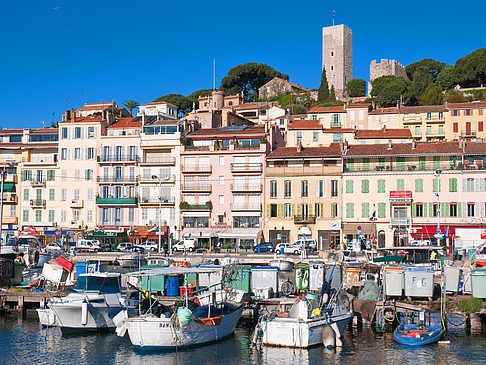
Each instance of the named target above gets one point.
<point>385,68</point>
<point>337,56</point>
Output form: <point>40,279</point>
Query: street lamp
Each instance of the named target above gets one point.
<point>10,164</point>
<point>155,177</point>
<point>437,175</point>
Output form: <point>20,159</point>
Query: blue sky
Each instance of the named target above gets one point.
<point>55,49</point>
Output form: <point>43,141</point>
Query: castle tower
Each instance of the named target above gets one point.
<point>385,68</point>
<point>337,56</point>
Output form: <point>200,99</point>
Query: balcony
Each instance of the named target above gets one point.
<point>196,188</point>
<point>38,203</point>
<point>251,188</point>
<point>194,169</point>
<point>39,161</point>
<point>38,183</point>
<point>468,133</point>
<point>303,170</point>
<point>10,198</point>
<point>246,167</point>
<point>187,206</point>
<point>246,207</point>
<point>77,203</point>
<point>116,201</point>
<point>10,178</point>
<point>168,179</point>
<point>304,219</point>
<point>166,201</point>
<point>399,221</point>
<point>162,161</point>
<point>412,121</point>
<point>117,179</point>
<point>10,220</point>
<point>117,158</point>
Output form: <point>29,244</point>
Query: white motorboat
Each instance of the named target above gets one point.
<point>88,306</point>
<point>162,328</point>
<point>283,264</point>
<point>303,326</point>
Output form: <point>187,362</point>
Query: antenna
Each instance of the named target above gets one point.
<point>214,74</point>
<point>333,16</point>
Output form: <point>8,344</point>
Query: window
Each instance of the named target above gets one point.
<point>441,115</point>
<point>77,132</point>
<point>38,215</point>
<point>305,188</point>
<point>441,129</point>
<point>76,194</point>
<point>63,194</point>
<point>480,127</point>
<point>273,210</point>
<point>26,194</point>
<point>417,130</point>
<point>469,185</point>
<point>455,113</point>
<point>349,210</point>
<point>64,154</point>
<point>419,185</point>
<point>221,180</point>
<point>349,186</point>
<point>419,210</point>
<point>321,188</point>
<point>318,210</point>
<point>77,153</point>
<point>365,186</point>
<point>90,194</point>
<point>221,199</point>
<point>334,188</point>
<point>25,216</point>
<point>468,112</point>
<point>336,120</point>
<point>470,209</point>
<point>90,153</point>
<point>287,189</point>
<point>51,216</point>
<point>381,210</point>
<point>453,210</point>
<point>77,175</point>
<point>455,127</point>
<point>221,160</point>
<point>453,185</point>
<point>334,210</point>
<point>429,116</point>
<point>76,216</point>
<point>89,215</point>
<point>273,189</point>
<point>405,117</point>
<point>351,115</point>
<point>332,67</point>
<point>315,136</point>
<point>313,117</point>
<point>299,136</point>
<point>429,130</point>
<point>365,210</point>
<point>332,53</point>
<point>400,184</point>
<point>51,194</point>
<point>436,185</point>
<point>64,133</point>
<point>417,116</point>
<point>435,210</point>
<point>288,210</point>
<point>337,137</point>
<point>220,218</point>
<point>91,132</point>
<point>381,186</point>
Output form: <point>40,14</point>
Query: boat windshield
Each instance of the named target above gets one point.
<point>108,285</point>
<point>12,241</point>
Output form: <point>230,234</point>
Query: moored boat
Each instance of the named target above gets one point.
<point>412,335</point>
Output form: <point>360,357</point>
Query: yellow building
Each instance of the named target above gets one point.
<point>426,123</point>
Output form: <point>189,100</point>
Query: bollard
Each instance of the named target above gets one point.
<point>258,249</point>
<point>281,250</point>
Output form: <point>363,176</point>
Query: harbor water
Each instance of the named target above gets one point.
<point>23,341</point>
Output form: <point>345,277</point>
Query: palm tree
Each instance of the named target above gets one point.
<point>130,104</point>
<point>54,125</point>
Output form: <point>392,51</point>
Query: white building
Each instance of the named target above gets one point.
<point>160,109</point>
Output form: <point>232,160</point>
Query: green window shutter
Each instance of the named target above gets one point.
<point>413,210</point>
<point>443,210</point>
<point>381,186</point>
<point>436,185</point>
<point>349,186</point>
<point>298,210</point>
<point>436,162</point>
<point>447,210</point>
<point>419,185</point>
<point>453,185</point>
<point>381,161</point>
<point>25,215</point>
<point>424,210</point>
<point>29,175</point>
<point>51,194</point>
<point>322,209</point>
<point>26,194</point>
<point>51,216</point>
<point>400,184</point>
<point>366,164</point>
<point>381,210</point>
<point>48,175</point>
<point>280,211</point>
<point>348,210</point>
<point>400,163</point>
<point>310,209</point>
<point>352,210</point>
<point>293,210</point>
<point>459,210</point>
<point>365,186</point>
<point>365,210</point>
<point>431,209</point>
<point>422,163</point>
<point>268,210</point>
<point>350,165</point>
<point>53,175</point>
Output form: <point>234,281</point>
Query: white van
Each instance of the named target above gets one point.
<point>88,245</point>
<point>188,245</point>
<point>309,244</point>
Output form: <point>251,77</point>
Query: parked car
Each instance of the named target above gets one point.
<point>263,247</point>
<point>188,245</point>
<point>308,244</point>
<point>288,248</point>
<point>88,245</point>
<point>128,246</point>
<point>150,246</point>
<point>53,247</point>
<point>421,243</point>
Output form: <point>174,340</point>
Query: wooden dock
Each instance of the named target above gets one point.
<point>21,301</point>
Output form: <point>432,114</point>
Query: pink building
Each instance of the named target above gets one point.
<point>222,185</point>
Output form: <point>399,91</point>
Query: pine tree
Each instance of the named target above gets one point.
<point>332,96</point>
<point>323,91</point>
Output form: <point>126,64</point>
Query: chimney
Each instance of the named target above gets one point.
<point>73,114</point>
<point>67,116</point>
<point>143,119</point>
<point>390,144</point>
<point>414,144</point>
<point>299,146</point>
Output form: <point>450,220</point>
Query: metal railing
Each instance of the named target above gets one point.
<point>304,219</point>
<point>196,168</point>
<point>151,200</point>
<point>246,206</point>
<point>117,158</point>
<point>246,167</point>
<point>246,187</point>
<point>117,179</point>
<point>37,202</point>
<point>159,161</point>
<point>399,221</point>
<point>303,170</point>
<point>196,187</point>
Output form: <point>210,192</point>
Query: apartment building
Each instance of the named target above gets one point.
<point>329,116</point>
<point>382,136</point>
<point>222,184</point>
<point>467,120</point>
<point>94,109</point>
<point>311,133</point>
<point>303,195</point>
<point>159,179</point>
<point>357,116</point>
<point>117,178</point>
<point>395,193</point>
<point>384,118</point>
<point>426,123</point>
<point>38,205</point>
<point>159,109</point>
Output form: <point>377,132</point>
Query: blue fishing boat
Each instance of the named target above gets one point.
<point>412,335</point>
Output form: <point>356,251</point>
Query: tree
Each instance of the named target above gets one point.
<point>194,97</point>
<point>454,96</point>
<point>432,95</point>
<point>249,77</point>
<point>470,70</point>
<point>182,103</point>
<point>332,93</point>
<point>297,109</point>
<point>433,68</point>
<point>446,77</point>
<point>387,90</point>
<point>54,125</point>
<point>323,91</point>
<point>113,111</point>
<point>356,87</point>
<point>130,104</point>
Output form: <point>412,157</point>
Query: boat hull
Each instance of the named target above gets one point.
<point>153,333</point>
<point>435,334</point>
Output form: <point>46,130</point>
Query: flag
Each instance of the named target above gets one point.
<point>373,216</point>
<point>333,13</point>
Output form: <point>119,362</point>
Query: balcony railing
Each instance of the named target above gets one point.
<point>393,166</point>
<point>303,170</point>
<point>10,198</point>
<point>197,168</point>
<point>399,221</point>
<point>304,219</point>
<point>116,201</point>
<point>167,161</point>
<point>77,203</point>
<point>166,200</point>
<point>10,220</point>
<point>169,178</point>
<point>186,206</point>
<point>11,178</point>
<point>249,187</point>
<point>246,167</point>
<point>246,206</point>
<point>38,183</point>
<point>39,203</point>
<point>116,179</point>
<point>196,187</point>
<point>117,158</point>
<point>39,161</point>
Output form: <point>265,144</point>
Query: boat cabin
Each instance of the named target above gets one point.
<point>100,283</point>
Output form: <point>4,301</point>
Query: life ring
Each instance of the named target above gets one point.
<point>20,259</point>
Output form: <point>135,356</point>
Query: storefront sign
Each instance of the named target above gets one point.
<point>221,226</point>
<point>400,194</point>
<point>483,234</point>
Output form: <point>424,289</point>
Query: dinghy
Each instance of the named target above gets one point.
<point>412,335</point>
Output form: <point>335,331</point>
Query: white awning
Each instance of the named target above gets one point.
<point>245,214</point>
<point>199,233</point>
<point>195,214</point>
<point>250,233</point>
<point>305,231</point>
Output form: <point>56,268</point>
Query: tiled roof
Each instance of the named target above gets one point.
<point>422,148</point>
<point>216,132</point>
<point>338,130</point>
<point>328,109</point>
<point>287,152</point>
<point>379,111</point>
<point>387,133</point>
<point>466,105</point>
<point>90,119</point>
<point>126,123</point>
<point>255,105</point>
<point>304,124</point>
<point>475,147</point>
<point>44,131</point>
<point>364,105</point>
<point>158,103</point>
<point>423,109</point>
<point>11,131</point>
<point>95,106</point>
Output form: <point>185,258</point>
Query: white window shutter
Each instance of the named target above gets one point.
<point>324,188</point>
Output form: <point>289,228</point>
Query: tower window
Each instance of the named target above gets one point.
<point>332,53</point>
<point>332,68</point>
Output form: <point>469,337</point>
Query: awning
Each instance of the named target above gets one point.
<point>304,231</point>
<point>195,214</point>
<point>8,186</point>
<point>250,233</point>
<point>352,228</point>
<point>427,232</point>
<point>173,270</point>
<point>199,233</point>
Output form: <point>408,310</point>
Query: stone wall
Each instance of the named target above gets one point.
<point>385,68</point>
